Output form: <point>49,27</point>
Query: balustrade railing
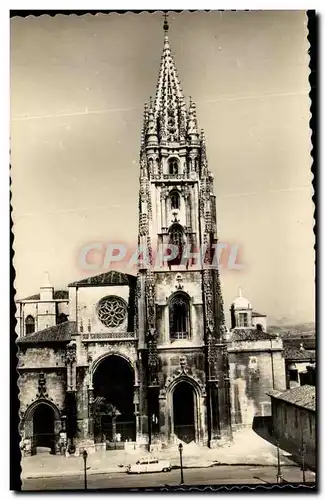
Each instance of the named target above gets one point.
<point>108,336</point>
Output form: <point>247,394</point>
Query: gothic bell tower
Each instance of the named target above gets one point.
<point>183,362</point>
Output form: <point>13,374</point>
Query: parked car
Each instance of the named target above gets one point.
<point>149,464</point>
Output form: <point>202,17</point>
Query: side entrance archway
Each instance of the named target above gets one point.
<point>41,426</point>
<point>113,410</point>
<point>184,412</point>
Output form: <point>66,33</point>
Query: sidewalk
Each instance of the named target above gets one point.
<point>247,449</point>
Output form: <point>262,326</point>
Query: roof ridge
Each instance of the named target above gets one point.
<point>61,332</point>
<point>111,277</point>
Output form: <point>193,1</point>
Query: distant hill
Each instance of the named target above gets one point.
<point>295,335</point>
<point>301,330</point>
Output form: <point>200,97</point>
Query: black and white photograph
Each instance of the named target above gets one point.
<point>163,238</point>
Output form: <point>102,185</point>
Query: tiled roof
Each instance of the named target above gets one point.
<point>242,334</point>
<point>61,294</point>
<point>303,396</point>
<point>57,294</point>
<point>58,333</point>
<point>105,279</point>
<point>293,353</point>
<point>255,314</point>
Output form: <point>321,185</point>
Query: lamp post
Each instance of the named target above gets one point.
<point>279,477</point>
<point>303,450</point>
<point>180,449</point>
<point>84,456</point>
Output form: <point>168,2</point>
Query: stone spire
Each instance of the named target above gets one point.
<point>192,128</point>
<point>145,122</point>
<point>152,138</point>
<point>204,160</point>
<point>169,109</point>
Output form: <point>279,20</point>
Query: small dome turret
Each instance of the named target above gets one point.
<point>241,302</point>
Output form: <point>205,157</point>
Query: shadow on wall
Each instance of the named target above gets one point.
<point>264,428</point>
<point>244,404</point>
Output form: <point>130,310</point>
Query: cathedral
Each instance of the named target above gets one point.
<point>147,360</point>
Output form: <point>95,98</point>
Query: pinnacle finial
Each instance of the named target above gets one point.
<point>46,281</point>
<point>240,292</point>
<point>166,25</point>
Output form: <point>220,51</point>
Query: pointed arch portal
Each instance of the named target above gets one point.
<point>43,428</point>
<point>113,383</point>
<point>184,412</point>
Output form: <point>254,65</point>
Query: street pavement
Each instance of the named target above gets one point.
<point>218,475</point>
<point>259,452</point>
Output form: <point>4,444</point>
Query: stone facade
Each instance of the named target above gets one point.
<point>148,357</point>
<point>256,363</point>
<point>255,367</point>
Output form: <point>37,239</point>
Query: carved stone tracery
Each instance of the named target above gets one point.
<point>71,352</point>
<point>42,391</point>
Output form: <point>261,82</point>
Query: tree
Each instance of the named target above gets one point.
<point>101,408</point>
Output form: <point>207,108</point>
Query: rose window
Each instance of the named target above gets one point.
<point>111,311</point>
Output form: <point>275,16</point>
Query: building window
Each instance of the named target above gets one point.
<point>112,311</point>
<point>293,375</point>
<point>176,240</point>
<point>179,317</point>
<point>62,318</point>
<point>173,166</point>
<point>29,325</point>
<point>175,200</point>
<point>243,319</point>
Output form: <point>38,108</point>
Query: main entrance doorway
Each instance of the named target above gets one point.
<point>43,428</point>
<point>114,419</point>
<point>183,411</point>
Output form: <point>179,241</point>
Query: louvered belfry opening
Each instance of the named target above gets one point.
<point>177,242</point>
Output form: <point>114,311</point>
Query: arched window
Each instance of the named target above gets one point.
<point>173,166</point>
<point>62,318</point>
<point>175,200</point>
<point>176,240</point>
<point>29,325</point>
<point>150,167</point>
<point>179,317</point>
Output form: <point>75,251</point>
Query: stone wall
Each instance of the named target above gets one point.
<point>28,387</point>
<point>41,357</point>
<point>254,370</point>
<point>44,313</point>
<point>293,426</point>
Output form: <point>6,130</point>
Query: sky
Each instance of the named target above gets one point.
<point>78,87</point>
